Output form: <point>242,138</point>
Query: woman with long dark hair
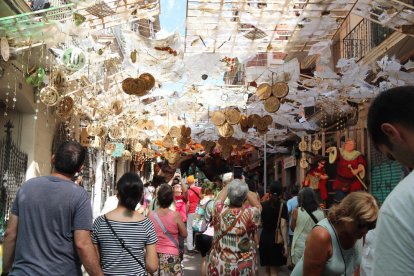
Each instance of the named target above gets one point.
<point>304,218</point>
<point>124,239</point>
<point>273,255</point>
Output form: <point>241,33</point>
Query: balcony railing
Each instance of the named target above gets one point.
<point>361,39</point>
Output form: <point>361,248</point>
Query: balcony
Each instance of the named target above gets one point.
<point>364,37</point>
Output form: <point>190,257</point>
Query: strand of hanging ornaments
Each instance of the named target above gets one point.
<point>49,59</point>
<point>7,93</point>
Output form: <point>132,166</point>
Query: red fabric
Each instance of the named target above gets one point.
<point>323,191</point>
<point>180,207</point>
<point>193,199</point>
<point>345,180</point>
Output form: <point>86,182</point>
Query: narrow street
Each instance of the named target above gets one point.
<point>192,266</point>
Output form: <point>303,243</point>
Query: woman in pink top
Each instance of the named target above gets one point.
<point>168,253</point>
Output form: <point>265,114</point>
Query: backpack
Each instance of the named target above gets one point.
<point>200,222</point>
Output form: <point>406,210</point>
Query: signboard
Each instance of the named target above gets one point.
<point>289,162</point>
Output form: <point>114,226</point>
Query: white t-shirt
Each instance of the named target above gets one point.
<point>394,248</point>
<point>368,254</point>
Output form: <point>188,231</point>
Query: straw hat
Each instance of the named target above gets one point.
<point>272,104</point>
<point>185,131</point>
<point>175,131</point>
<point>93,102</point>
<point>140,88</point>
<point>252,120</point>
<point>264,91</point>
<point>280,89</point>
<point>127,155</point>
<point>182,142</point>
<point>218,118</point>
<point>172,157</point>
<point>168,141</point>
<point>58,78</point>
<point>132,132</point>
<point>95,142</point>
<point>149,125</point>
<point>116,132</point>
<point>209,146</point>
<point>137,147</point>
<point>267,119</point>
<point>49,96</point>
<point>148,79</point>
<point>128,85</point>
<point>93,129</point>
<point>244,129</point>
<point>5,49</point>
<point>244,122</point>
<point>116,107</point>
<point>110,148</point>
<point>232,116</point>
<point>162,130</point>
<point>103,131</point>
<point>226,130</point>
<point>262,124</point>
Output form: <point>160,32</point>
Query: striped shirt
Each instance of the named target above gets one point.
<point>115,260</point>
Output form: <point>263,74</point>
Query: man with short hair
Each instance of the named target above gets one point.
<point>49,230</point>
<point>391,127</point>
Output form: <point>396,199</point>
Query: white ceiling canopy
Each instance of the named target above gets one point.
<point>239,26</point>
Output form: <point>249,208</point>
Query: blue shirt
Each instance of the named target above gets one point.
<point>291,204</point>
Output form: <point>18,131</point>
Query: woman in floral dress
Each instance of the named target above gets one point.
<point>234,247</point>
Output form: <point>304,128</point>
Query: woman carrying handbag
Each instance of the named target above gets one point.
<point>125,239</point>
<point>273,239</point>
<point>168,225</point>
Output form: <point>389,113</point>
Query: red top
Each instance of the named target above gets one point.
<point>193,198</point>
<point>164,244</point>
<point>180,207</point>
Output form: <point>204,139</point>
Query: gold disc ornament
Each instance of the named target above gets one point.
<point>316,145</point>
<point>303,163</point>
<point>232,116</point>
<point>303,146</point>
<point>218,118</point>
<point>264,91</point>
<point>280,89</point>
<point>226,130</point>
<point>272,104</point>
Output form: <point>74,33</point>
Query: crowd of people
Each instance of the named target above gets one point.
<point>148,229</point>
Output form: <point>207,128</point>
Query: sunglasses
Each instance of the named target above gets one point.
<point>369,225</point>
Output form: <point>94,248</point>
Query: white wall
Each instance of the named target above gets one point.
<point>33,137</point>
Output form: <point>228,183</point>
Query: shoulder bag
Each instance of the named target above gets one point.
<point>312,216</point>
<point>278,233</point>
<point>164,230</point>
<point>222,234</point>
<point>123,244</point>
